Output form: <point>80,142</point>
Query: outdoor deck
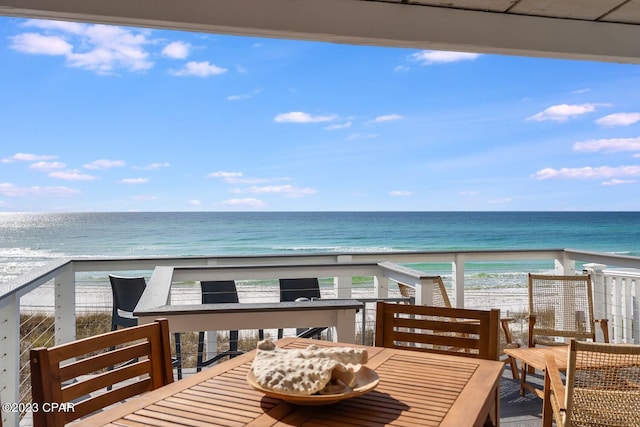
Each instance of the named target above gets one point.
<point>516,410</point>
<point>58,291</point>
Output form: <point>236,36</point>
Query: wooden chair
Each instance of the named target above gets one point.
<point>602,386</point>
<point>441,299</point>
<point>561,306</point>
<point>456,331</point>
<point>68,373</point>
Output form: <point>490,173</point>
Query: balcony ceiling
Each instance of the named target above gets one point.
<point>601,30</point>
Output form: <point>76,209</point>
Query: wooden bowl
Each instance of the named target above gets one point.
<point>366,380</point>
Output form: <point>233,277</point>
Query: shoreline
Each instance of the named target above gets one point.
<point>97,297</point>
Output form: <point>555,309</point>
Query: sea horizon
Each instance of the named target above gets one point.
<point>28,240</point>
<point>31,240</point>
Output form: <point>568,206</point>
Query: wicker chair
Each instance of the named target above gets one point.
<point>440,296</point>
<point>602,386</point>
<point>561,306</point>
<point>441,299</point>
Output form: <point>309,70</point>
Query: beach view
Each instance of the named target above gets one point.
<point>187,147</point>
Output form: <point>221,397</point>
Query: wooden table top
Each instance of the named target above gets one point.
<point>415,389</point>
<point>534,356</point>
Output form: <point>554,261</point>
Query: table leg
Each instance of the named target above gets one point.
<point>346,326</point>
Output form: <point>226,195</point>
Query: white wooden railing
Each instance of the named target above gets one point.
<point>615,287</point>
<point>615,299</point>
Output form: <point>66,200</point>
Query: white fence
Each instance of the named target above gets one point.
<point>615,299</point>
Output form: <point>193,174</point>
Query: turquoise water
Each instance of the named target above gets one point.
<point>30,240</point>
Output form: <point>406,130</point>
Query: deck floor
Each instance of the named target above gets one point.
<point>516,410</point>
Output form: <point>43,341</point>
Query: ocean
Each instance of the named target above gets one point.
<point>31,240</point>
<point>28,240</point>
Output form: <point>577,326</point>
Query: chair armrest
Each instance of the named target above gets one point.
<point>604,325</point>
<point>504,322</point>
<point>552,371</point>
<point>532,322</point>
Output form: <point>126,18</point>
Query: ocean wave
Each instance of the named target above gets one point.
<point>333,249</point>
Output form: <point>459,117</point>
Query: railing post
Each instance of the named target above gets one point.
<point>457,280</point>
<point>565,266</point>
<point>636,310</point>
<point>424,292</point>
<point>65,305</point>
<point>10,358</point>
<point>342,285</point>
<point>601,294</point>
<point>380,287</point>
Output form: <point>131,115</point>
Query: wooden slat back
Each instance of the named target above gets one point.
<point>137,358</point>
<point>461,332</point>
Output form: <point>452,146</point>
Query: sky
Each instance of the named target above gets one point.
<point>107,118</point>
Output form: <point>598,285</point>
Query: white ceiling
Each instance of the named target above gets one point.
<point>602,30</point>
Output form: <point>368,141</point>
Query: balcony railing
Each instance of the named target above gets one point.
<point>58,289</point>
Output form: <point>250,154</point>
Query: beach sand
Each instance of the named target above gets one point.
<point>97,297</point>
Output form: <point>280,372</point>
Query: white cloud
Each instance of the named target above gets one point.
<point>238,178</point>
<point>72,176</point>
<point>387,118</point>
<point>339,126</point>
<point>104,164</point>
<point>608,145</point>
<point>230,177</point>
<point>428,57</point>
<point>99,48</point>
<point>10,190</point>
<point>248,202</point>
<point>199,69</point>
<point>176,50</point>
<point>243,96</point>
<point>579,91</point>
<point>133,181</point>
<point>47,166</point>
<point>564,112</point>
<point>38,44</point>
<point>194,202</point>
<point>616,181</point>
<point>286,190</point>
<point>401,68</point>
<point>358,135</point>
<point>401,193</point>
<point>26,157</point>
<point>619,119</point>
<point>301,117</point>
<point>153,166</point>
<point>587,172</point>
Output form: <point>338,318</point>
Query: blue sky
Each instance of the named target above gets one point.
<point>103,118</point>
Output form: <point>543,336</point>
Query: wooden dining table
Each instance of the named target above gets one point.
<point>415,389</point>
